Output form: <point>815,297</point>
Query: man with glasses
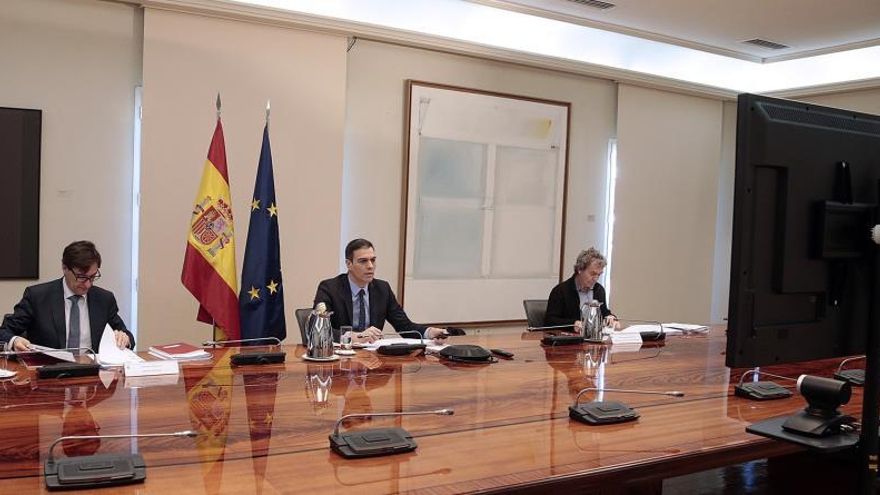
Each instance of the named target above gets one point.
<point>364,302</point>
<point>69,312</point>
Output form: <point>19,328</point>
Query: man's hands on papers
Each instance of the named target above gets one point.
<point>110,354</point>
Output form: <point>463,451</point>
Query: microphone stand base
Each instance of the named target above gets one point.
<point>854,377</point>
<point>602,413</point>
<point>94,471</point>
<point>761,391</point>
<point>245,358</point>
<point>372,443</point>
<point>772,428</point>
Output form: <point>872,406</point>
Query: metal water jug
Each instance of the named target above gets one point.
<point>320,334</point>
<point>592,318</point>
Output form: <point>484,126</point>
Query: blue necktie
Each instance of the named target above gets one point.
<point>362,311</point>
<point>73,324</point>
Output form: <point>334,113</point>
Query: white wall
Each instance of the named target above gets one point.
<point>79,62</point>
<point>669,150</point>
<point>374,142</point>
<point>187,60</point>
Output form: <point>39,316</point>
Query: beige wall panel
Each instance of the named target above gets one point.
<point>865,100</point>
<point>669,147</point>
<point>78,62</point>
<point>375,139</point>
<point>187,60</point>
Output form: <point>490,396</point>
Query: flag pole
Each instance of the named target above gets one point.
<point>267,114</point>
<point>218,105</point>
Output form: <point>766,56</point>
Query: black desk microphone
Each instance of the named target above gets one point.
<point>403,348</point>
<point>244,358</point>
<point>609,412</point>
<point>95,471</point>
<point>853,376</point>
<point>761,390</point>
<point>376,441</point>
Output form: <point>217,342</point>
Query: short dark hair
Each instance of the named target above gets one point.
<point>354,246</point>
<point>81,255</point>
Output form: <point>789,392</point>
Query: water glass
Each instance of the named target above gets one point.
<point>345,336</point>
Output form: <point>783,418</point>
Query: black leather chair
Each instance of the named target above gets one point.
<point>302,319</point>
<point>535,311</point>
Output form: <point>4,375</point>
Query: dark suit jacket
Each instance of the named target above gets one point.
<point>336,294</point>
<point>39,316</point>
<point>563,305</point>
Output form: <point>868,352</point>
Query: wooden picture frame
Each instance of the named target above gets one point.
<point>484,199</point>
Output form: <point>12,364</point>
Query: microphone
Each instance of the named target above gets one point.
<point>63,369</point>
<point>376,441</point>
<point>551,327</point>
<point>215,343</point>
<point>761,390</point>
<point>609,412</point>
<point>403,348</point>
<point>854,376</point>
<point>245,358</point>
<point>95,471</point>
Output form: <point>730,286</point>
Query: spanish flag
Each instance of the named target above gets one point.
<point>209,263</point>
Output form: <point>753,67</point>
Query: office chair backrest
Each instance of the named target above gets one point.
<point>302,319</point>
<point>535,310</point>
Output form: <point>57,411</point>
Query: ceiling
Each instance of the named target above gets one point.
<point>805,27</point>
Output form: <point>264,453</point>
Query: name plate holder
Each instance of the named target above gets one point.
<point>152,368</point>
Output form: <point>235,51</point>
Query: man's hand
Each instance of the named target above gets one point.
<point>368,336</point>
<point>611,321</point>
<point>438,335</point>
<point>21,344</point>
<point>121,339</point>
<point>579,326</point>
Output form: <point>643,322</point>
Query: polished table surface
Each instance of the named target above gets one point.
<point>264,429</point>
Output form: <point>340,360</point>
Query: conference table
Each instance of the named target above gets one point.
<point>264,429</point>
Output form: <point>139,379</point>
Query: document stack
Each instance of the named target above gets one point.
<point>179,352</point>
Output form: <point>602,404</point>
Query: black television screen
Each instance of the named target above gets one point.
<point>20,192</point>
<point>805,192</point>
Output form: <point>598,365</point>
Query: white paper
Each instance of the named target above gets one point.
<point>626,338</point>
<point>149,368</point>
<point>110,354</point>
<point>55,353</point>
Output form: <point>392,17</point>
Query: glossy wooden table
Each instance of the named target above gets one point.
<point>265,429</point>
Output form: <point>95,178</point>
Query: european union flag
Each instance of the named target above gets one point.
<point>262,292</point>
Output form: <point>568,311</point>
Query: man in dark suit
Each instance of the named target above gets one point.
<point>567,298</point>
<point>68,312</point>
<point>360,300</point>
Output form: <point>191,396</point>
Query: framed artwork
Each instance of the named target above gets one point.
<point>484,202</point>
<point>20,137</point>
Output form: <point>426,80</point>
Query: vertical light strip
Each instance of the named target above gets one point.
<point>135,208</point>
<point>135,246</point>
<point>610,187</point>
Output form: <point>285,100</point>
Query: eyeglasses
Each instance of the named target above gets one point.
<point>86,278</point>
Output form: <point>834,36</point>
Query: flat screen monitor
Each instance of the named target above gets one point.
<point>20,131</point>
<point>806,188</point>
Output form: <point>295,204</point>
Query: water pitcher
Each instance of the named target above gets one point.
<point>592,318</point>
<point>320,335</point>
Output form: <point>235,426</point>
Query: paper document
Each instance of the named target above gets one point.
<point>110,354</point>
<point>638,329</point>
<point>55,353</point>
<point>429,344</point>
